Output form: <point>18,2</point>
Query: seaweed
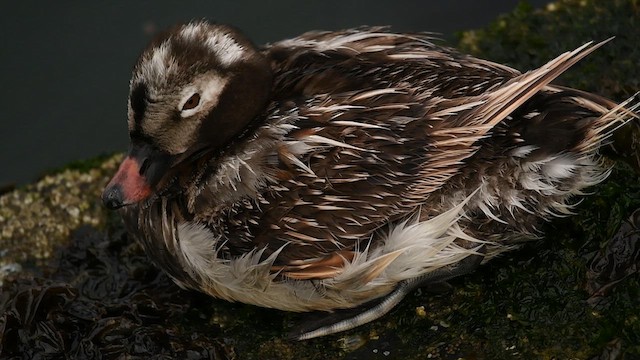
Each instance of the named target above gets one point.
<point>103,299</point>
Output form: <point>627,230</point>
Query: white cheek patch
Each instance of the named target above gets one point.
<point>159,58</point>
<point>209,87</point>
<point>227,50</point>
<point>191,31</point>
<point>157,66</point>
<point>223,46</point>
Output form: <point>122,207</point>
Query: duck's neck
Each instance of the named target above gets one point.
<point>238,173</point>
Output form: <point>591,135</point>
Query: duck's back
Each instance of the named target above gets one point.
<point>367,128</point>
<point>360,112</point>
<point>374,58</point>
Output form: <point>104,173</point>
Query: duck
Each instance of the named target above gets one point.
<point>337,171</point>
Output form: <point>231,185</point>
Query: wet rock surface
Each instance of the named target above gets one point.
<point>102,298</point>
<point>76,286</point>
<point>38,218</point>
<point>617,260</point>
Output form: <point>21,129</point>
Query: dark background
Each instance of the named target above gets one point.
<point>65,66</point>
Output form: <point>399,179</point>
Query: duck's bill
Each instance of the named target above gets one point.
<point>137,176</point>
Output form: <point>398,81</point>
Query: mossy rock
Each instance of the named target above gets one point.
<point>528,38</point>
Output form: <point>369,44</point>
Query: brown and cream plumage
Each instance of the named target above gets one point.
<point>338,169</point>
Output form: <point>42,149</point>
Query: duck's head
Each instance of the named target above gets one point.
<point>193,90</point>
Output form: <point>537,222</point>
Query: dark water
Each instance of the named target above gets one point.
<point>64,66</point>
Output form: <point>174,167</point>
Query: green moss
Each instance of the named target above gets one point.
<point>527,38</point>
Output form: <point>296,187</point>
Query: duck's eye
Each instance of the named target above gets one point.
<point>193,101</point>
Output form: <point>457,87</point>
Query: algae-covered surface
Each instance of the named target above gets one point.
<point>76,286</point>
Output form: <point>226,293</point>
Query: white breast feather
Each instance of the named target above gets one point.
<point>418,247</point>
